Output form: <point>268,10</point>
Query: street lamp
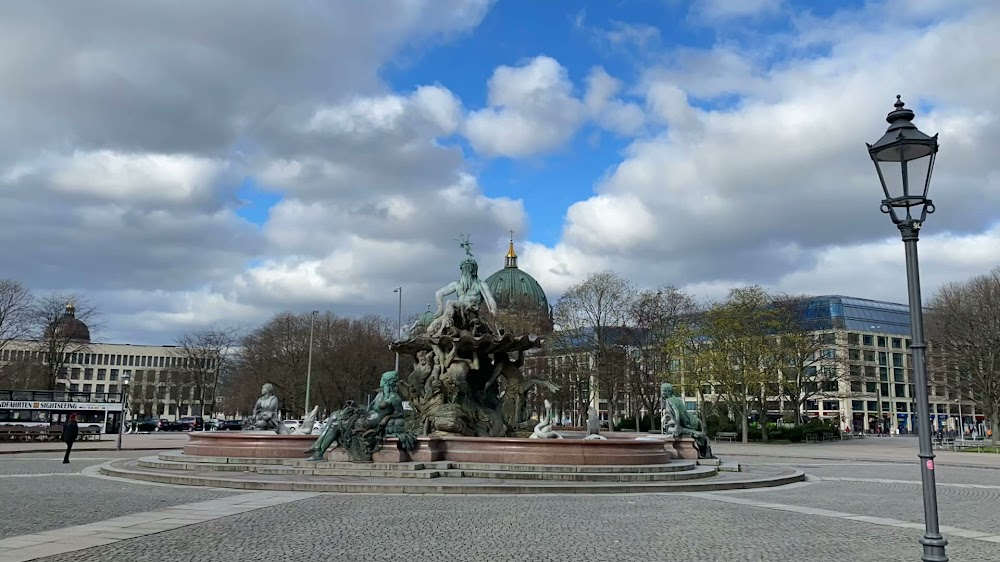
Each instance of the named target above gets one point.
<point>309,362</point>
<point>399,321</point>
<point>121,423</point>
<point>904,151</point>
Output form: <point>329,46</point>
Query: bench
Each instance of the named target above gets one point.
<point>726,435</point>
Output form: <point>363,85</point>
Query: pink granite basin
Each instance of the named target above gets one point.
<point>503,450</point>
<point>247,445</point>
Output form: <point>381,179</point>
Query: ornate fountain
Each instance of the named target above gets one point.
<point>467,371</point>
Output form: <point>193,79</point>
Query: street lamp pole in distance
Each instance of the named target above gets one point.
<point>309,362</point>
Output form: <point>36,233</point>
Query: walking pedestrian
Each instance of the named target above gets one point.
<point>69,433</point>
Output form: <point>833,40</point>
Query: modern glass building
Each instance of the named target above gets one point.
<point>837,312</point>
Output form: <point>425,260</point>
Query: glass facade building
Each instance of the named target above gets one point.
<point>836,312</point>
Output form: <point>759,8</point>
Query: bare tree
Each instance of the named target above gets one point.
<point>808,356</point>
<point>349,356</point>
<point>62,324</point>
<point>654,318</point>
<point>205,354</point>
<point>15,325</point>
<point>740,334</point>
<point>592,317</point>
<point>964,326</point>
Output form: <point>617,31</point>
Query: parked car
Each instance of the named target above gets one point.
<point>147,425</point>
<point>167,425</point>
<point>230,425</point>
<point>193,423</point>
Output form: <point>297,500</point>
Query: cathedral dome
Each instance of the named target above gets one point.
<point>69,327</point>
<point>514,288</point>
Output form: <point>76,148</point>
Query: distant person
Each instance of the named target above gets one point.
<point>69,434</point>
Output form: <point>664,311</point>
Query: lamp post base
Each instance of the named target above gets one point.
<point>934,549</point>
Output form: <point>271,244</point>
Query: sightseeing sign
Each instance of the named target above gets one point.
<point>33,405</point>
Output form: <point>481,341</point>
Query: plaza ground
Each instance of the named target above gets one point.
<point>862,501</point>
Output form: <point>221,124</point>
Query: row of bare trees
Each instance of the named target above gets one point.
<point>348,357</point>
<point>36,334</point>
<point>753,350</point>
<point>963,327</point>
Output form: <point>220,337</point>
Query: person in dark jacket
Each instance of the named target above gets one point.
<point>69,434</point>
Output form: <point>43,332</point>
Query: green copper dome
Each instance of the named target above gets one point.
<point>512,287</point>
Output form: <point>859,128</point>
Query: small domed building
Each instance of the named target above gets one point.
<point>69,328</point>
<point>521,302</point>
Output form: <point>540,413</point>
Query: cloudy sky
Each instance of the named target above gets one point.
<point>186,163</point>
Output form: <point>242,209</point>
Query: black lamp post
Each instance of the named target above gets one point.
<point>124,397</point>
<point>903,152</point>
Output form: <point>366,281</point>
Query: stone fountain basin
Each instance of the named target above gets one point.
<point>498,450</point>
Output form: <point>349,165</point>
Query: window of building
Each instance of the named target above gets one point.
<point>897,343</point>
<point>853,339</point>
<point>88,388</point>
<point>883,374</point>
<point>899,390</point>
<point>872,406</point>
<point>829,354</point>
<point>88,374</point>
<point>99,389</point>
<point>856,386</point>
<point>114,374</point>
<point>901,406</point>
<point>883,341</point>
<point>831,405</point>
<point>829,386</point>
<point>897,359</point>
<point>856,371</point>
<point>885,388</point>
<point>73,387</point>
<point>113,388</point>
<point>131,360</point>
<point>868,340</point>
<point>812,405</point>
<point>883,358</point>
<point>858,405</point>
<point>871,387</point>
<point>102,374</point>
<point>898,375</point>
<point>907,343</point>
<point>854,354</point>
<point>75,373</point>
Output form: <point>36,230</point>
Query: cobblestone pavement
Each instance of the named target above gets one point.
<point>517,528</point>
<point>542,528</point>
<point>40,493</point>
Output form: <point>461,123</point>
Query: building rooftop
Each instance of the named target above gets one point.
<point>829,312</point>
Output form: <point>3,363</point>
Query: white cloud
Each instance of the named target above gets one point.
<point>613,114</point>
<point>715,10</point>
<point>531,110</point>
<point>110,175</point>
